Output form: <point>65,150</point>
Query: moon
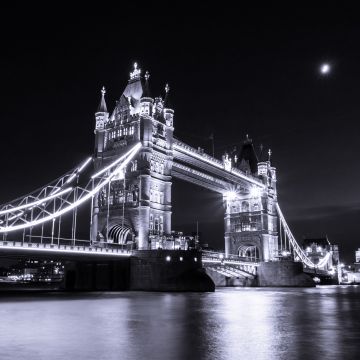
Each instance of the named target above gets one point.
<point>325,69</point>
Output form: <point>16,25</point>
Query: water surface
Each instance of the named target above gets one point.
<point>237,323</point>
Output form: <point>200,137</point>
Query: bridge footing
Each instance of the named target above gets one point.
<point>169,270</point>
<point>145,270</point>
<point>283,274</point>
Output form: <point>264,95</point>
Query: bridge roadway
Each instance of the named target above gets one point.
<point>18,248</point>
<point>26,249</point>
<point>199,168</point>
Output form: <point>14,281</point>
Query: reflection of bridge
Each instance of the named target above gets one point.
<point>135,159</point>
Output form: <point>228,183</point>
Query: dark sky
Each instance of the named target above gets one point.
<point>232,71</point>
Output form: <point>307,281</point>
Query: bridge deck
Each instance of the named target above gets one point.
<point>17,248</point>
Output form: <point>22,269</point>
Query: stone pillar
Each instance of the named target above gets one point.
<point>94,225</point>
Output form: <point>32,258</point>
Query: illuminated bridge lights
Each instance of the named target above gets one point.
<point>66,205</point>
<point>65,249</point>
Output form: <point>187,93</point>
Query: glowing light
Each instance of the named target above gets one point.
<point>221,256</point>
<point>135,148</point>
<point>230,195</point>
<point>78,170</point>
<point>35,203</point>
<point>325,69</point>
<point>80,201</point>
<point>181,258</point>
<point>168,258</point>
<point>67,251</point>
<point>308,249</point>
<point>195,259</point>
<point>298,250</point>
<point>255,192</point>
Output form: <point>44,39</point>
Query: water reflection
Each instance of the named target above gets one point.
<point>228,324</point>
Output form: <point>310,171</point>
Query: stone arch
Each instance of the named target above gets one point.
<point>250,252</point>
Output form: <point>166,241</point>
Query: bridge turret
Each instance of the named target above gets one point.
<point>146,101</point>
<point>168,110</point>
<point>101,117</point>
<point>247,159</point>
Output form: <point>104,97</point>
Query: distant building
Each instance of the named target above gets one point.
<point>317,248</point>
<point>357,261</point>
<point>36,271</point>
<point>357,255</point>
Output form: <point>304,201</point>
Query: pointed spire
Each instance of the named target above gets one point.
<point>262,153</point>
<point>146,88</point>
<point>135,75</point>
<point>102,106</point>
<point>167,104</point>
<point>269,153</point>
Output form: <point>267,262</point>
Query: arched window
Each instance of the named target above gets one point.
<point>245,206</point>
<point>156,227</point>
<point>256,207</point>
<point>151,225</point>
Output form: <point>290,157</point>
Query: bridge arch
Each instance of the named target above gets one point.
<point>120,234</point>
<point>249,251</point>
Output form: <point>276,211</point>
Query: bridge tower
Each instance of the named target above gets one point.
<point>250,212</point>
<point>136,207</point>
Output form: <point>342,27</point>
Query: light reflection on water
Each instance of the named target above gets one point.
<point>321,323</point>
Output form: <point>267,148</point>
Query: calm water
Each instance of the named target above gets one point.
<point>321,323</point>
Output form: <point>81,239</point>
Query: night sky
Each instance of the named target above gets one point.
<point>232,72</point>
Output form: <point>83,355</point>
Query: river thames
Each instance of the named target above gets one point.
<point>232,323</point>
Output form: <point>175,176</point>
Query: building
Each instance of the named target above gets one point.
<point>317,248</point>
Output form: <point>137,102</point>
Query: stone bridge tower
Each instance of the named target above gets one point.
<point>250,212</point>
<point>136,209</point>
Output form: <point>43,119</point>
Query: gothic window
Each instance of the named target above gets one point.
<point>256,207</point>
<point>245,206</point>
<point>156,167</point>
<point>156,224</point>
<point>161,224</point>
<point>151,165</point>
<point>151,222</point>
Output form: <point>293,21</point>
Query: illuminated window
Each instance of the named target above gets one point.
<point>151,222</point>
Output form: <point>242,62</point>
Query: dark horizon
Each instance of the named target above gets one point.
<point>252,72</point>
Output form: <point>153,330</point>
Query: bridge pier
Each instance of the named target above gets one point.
<point>283,274</point>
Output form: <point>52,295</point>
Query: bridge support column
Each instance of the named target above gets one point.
<point>94,224</point>
<point>227,245</point>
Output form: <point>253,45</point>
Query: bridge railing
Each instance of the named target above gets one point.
<point>230,259</point>
<point>80,246</point>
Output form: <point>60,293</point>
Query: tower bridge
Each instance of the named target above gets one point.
<point>136,156</point>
